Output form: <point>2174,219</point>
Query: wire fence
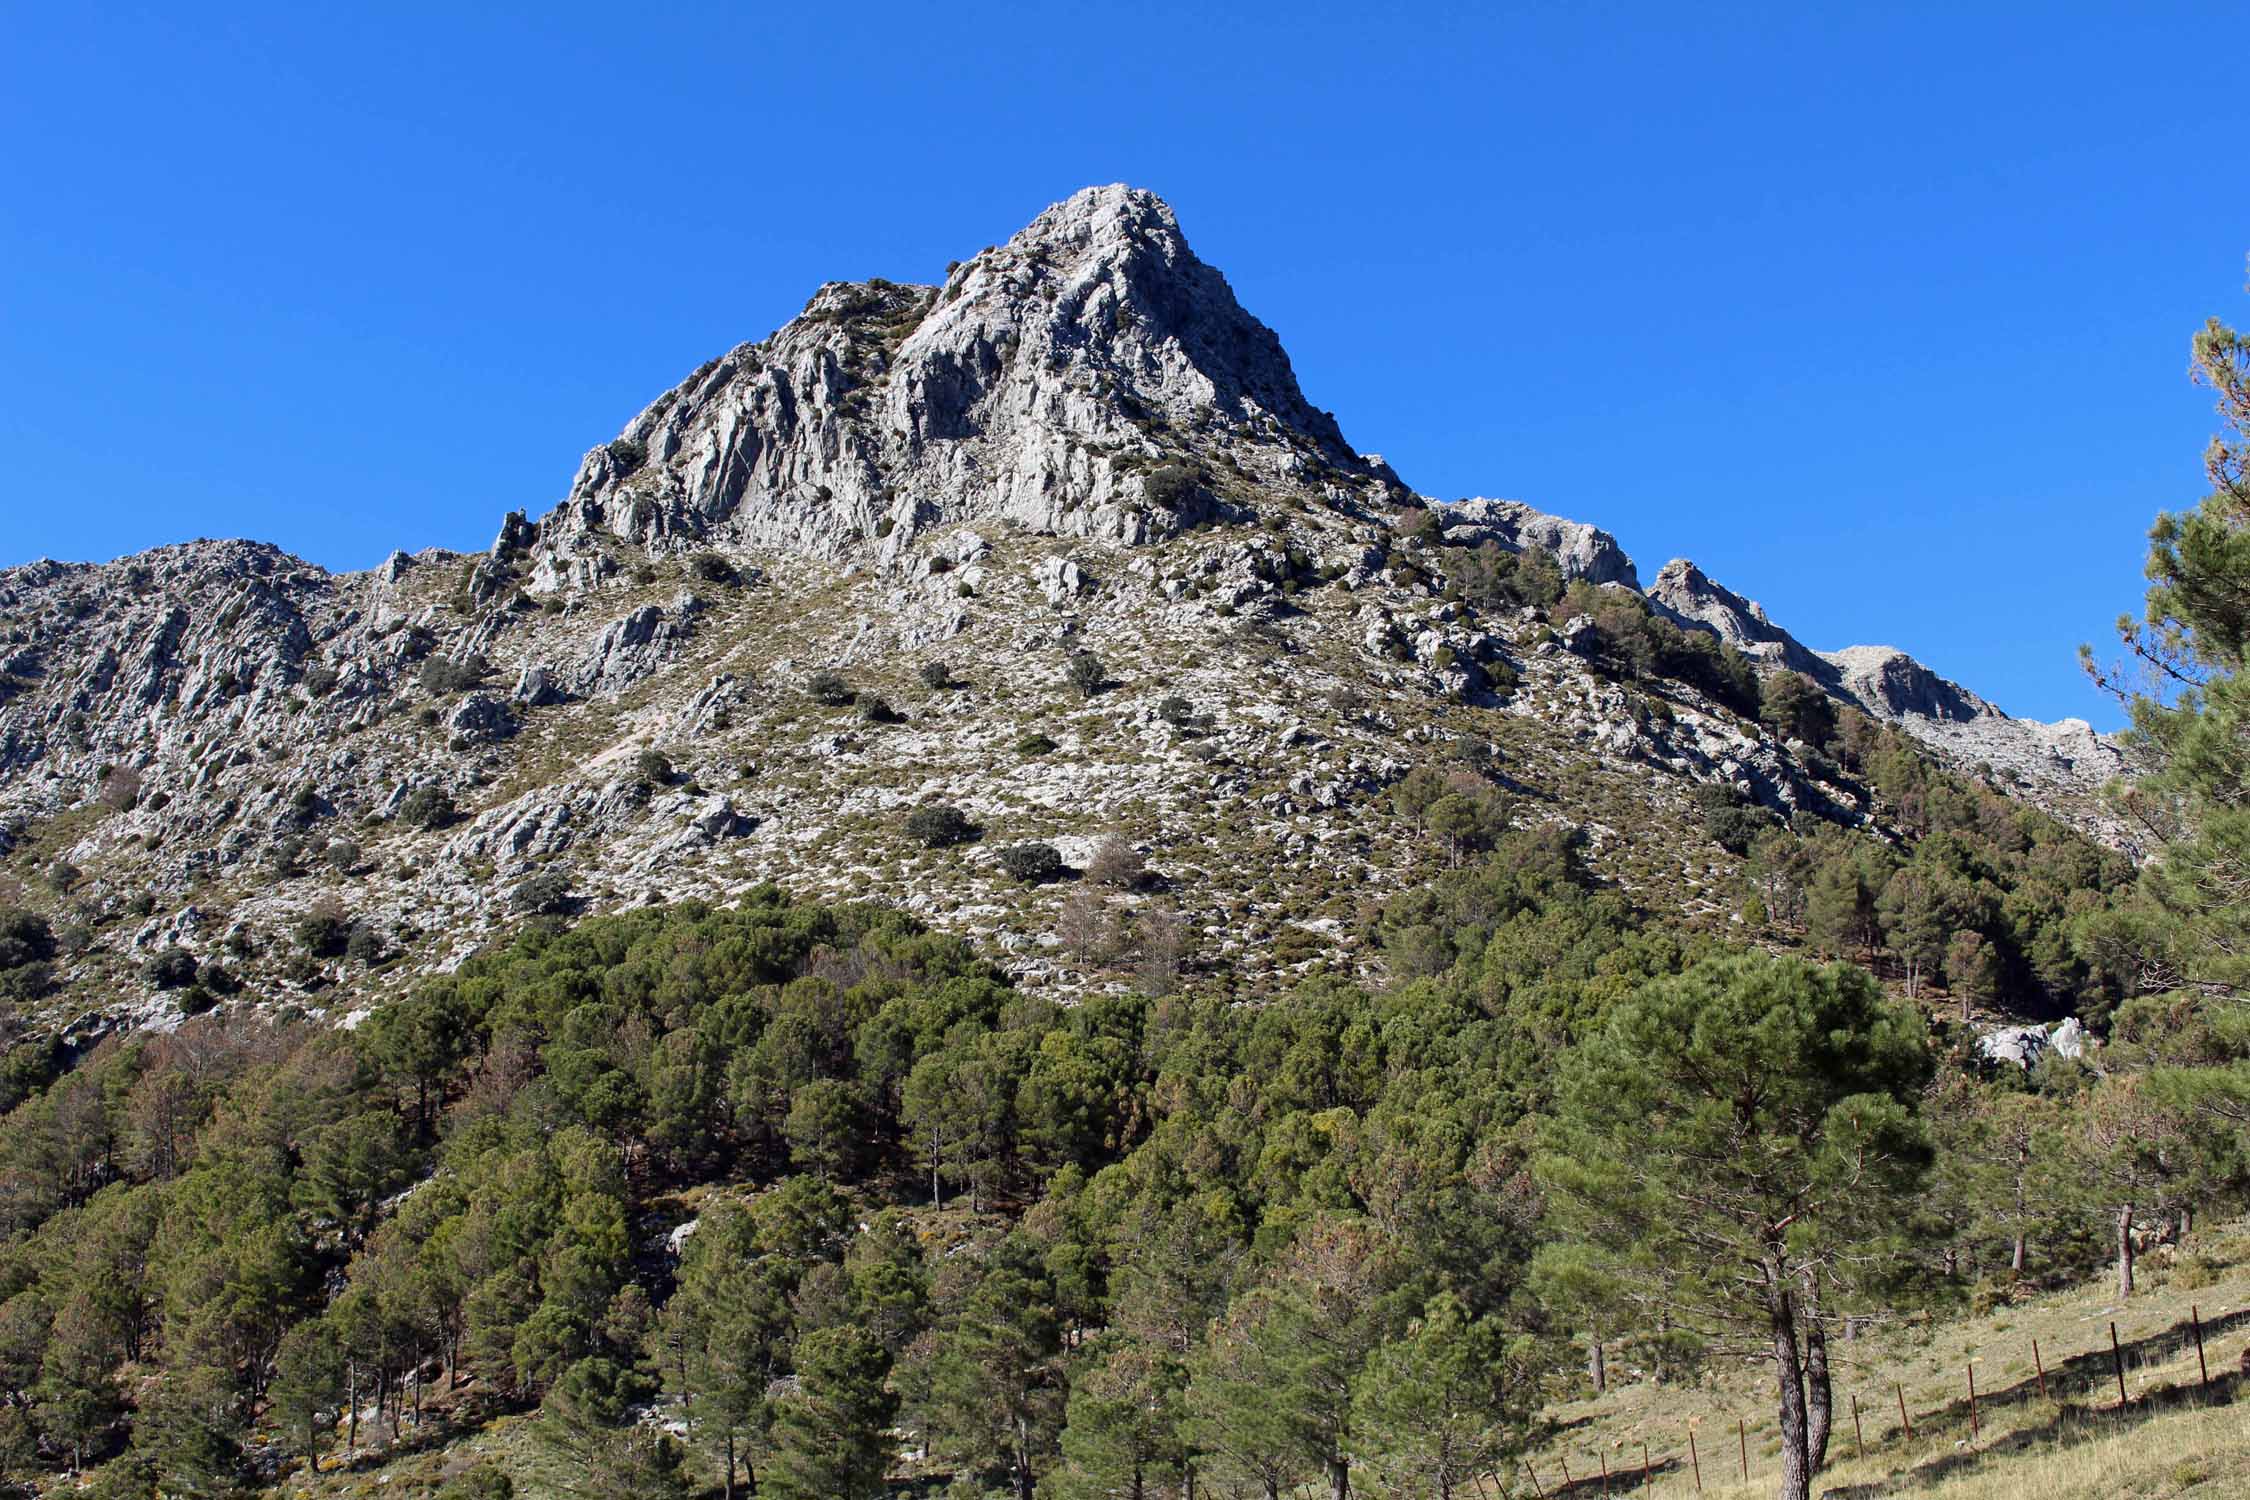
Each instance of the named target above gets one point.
<point>2081,1383</point>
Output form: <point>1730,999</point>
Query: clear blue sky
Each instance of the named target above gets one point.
<point>1881,318</point>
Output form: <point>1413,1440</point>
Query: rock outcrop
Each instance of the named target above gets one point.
<point>1090,378</point>
<point>851,570</point>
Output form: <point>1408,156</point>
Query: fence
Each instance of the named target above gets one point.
<point>2082,1373</point>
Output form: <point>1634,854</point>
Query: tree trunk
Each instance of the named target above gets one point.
<point>2187,1222</point>
<point>1339,1478</point>
<point>2125,1250</point>
<point>729,1494</point>
<point>1819,1401</point>
<point>1597,1367</point>
<point>1789,1385</point>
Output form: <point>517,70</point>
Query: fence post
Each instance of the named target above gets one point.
<point>1904,1420</point>
<point>1742,1432</point>
<point>1536,1487</point>
<point>1604,1457</point>
<point>1859,1439</point>
<point>1696,1462</point>
<point>2041,1366</point>
<point>1644,1468</point>
<point>2117,1358</point>
<point>1974,1433</point>
<point>1564,1460</point>
<point>2195,1316</point>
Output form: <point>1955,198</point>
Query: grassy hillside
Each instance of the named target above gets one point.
<point>2172,1438</point>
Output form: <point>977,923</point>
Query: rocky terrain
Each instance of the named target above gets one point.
<point>1058,543</point>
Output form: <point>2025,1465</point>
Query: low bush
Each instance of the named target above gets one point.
<point>323,933</point>
<point>1033,864</point>
<point>1087,674</point>
<point>172,969</point>
<point>544,894</point>
<point>710,567</point>
<point>427,807</point>
<point>442,675</point>
<point>937,826</point>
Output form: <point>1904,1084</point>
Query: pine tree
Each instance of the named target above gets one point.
<point>597,1453</point>
<point>1122,1435</point>
<point>1914,924</point>
<point>308,1387</point>
<point>829,1434</point>
<point>994,1376</point>
<point>2191,730</point>
<point>1737,1141</point>
<point>1450,1401</point>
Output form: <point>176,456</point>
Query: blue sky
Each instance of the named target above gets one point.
<point>1882,318</point>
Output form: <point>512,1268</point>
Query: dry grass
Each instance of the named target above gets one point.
<point>2172,1438</point>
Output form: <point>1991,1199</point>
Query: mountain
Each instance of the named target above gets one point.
<point>1058,544</point>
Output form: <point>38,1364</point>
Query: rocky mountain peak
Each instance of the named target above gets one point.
<point>1692,597</point>
<point>1091,378</point>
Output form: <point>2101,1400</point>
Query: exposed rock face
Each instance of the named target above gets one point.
<point>2025,1046</point>
<point>2064,765</point>
<point>1583,551</point>
<point>1089,378</point>
<point>1079,443</point>
<point>1683,591</point>
<point>1896,686</point>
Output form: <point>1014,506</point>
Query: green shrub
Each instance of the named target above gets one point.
<point>1176,711</point>
<point>1035,744</point>
<point>442,675</point>
<point>26,981</point>
<point>710,567</point>
<point>1087,674</point>
<point>171,969</point>
<point>1729,819</point>
<point>1033,864</point>
<point>427,807</point>
<point>25,938</point>
<point>323,933</point>
<point>1170,486</point>
<point>543,894</point>
<point>481,1481</point>
<point>654,767</point>
<point>937,826</point>
<point>875,711</point>
<point>364,944</point>
<point>829,688</point>
<point>936,676</point>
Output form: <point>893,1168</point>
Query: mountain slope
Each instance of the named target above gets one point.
<point>1079,443</point>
